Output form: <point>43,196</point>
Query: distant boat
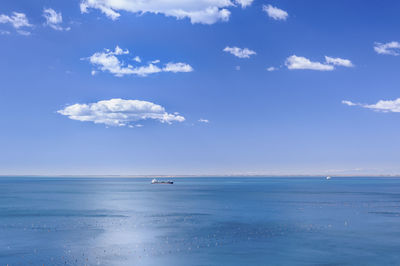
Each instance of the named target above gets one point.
<point>328,177</point>
<point>155,181</point>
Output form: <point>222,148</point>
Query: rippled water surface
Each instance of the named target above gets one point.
<point>200,221</point>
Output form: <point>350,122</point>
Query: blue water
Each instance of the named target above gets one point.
<point>200,221</point>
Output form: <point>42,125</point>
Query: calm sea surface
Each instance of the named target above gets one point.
<point>200,221</point>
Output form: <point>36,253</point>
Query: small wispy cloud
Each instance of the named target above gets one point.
<point>239,52</point>
<point>338,61</point>
<point>202,120</point>
<point>275,13</point>
<point>349,103</point>
<point>4,32</point>
<point>24,32</point>
<point>108,61</point>
<point>390,48</point>
<point>270,69</point>
<point>54,19</point>
<point>137,59</point>
<point>300,62</point>
<point>18,21</point>
<point>384,106</point>
<point>177,67</point>
<point>244,3</point>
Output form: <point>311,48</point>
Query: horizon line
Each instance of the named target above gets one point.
<point>194,175</point>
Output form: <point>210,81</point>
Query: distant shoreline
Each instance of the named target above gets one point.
<point>201,176</point>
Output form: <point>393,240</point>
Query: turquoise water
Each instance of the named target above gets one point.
<point>200,221</point>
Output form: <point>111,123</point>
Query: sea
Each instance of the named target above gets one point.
<point>200,221</point>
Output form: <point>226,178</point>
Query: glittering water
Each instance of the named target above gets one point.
<point>200,221</point>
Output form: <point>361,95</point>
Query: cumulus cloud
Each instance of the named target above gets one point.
<point>18,21</point>
<point>198,11</point>
<point>390,48</point>
<point>270,69</point>
<point>239,52</point>
<point>299,62</point>
<point>275,13</point>
<point>108,61</point>
<point>201,120</point>
<point>119,112</point>
<point>53,19</point>
<point>338,61</point>
<point>385,106</point>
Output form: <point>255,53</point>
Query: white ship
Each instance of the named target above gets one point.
<point>155,181</point>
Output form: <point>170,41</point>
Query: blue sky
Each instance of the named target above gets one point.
<point>197,103</point>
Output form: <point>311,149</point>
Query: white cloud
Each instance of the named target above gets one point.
<point>24,32</point>
<point>272,69</point>
<point>385,106</point>
<point>108,61</point>
<point>119,51</point>
<point>198,11</point>
<point>155,61</point>
<point>4,32</point>
<point>17,20</point>
<point>275,13</point>
<point>239,52</point>
<point>119,112</point>
<point>201,120</point>
<point>146,70</point>
<point>137,59</point>
<point>349,103</point>
<point>390,48</point>
<point>338,61</point>
<point>177,67</point>
<point>133,126</point>
<point>299,62</point>
<point>244,3</point>
<point>53,19</point>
